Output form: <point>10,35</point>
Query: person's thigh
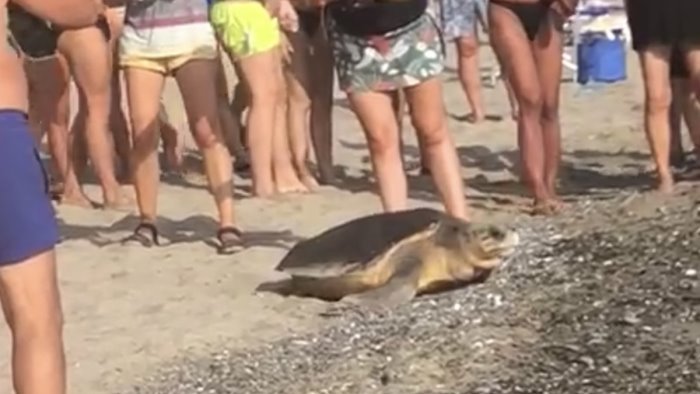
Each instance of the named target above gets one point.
<point>655,72</point>
<point>197,82</point>
<point>144,87</point>
<point>548,47</point>
<point>514,52</point>
<point>297,68</point>
<point>693,65</point>
<point>88,53</point>
<point>427,110</point>
<point>375,113</point>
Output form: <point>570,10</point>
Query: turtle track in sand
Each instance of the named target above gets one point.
<point>601,301</point>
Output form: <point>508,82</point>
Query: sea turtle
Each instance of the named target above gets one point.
<point>387,259</point>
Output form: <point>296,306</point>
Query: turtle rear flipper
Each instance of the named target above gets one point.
<point>400,289</point>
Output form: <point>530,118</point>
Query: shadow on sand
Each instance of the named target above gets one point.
<point>194,229</point>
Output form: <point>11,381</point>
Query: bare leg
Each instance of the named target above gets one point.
<point>374,111</point>
<point>548,49</point>
<point>143,88</point>
<point>52,105</point>
<point>286,178</point>
<point>117,118</point>
<point>172,145</point>
<point>428,118</point>
<point>468,70</point>
<point>692,112</point>
<point>655,70</point>
<point>256,71</point>
<point>230,127</point>
<point>512,99</point>
<point>197,82</point>
<point>321,121</point>
<point>517,59</point>
<point>32,306</point>
<point>89,57</point>
<point>239,102</point>
<point>299,105</point>
<point>678,98</point>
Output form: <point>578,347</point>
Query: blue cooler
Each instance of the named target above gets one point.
<point>601,59</point>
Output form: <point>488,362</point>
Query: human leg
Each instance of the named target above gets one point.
<point>374,112</point>
<point>428,118</point>
<point>88,53</point>
<point>657,99</point>
<point>513,49</point>
<point>52,106</point>
<point>117,118</point>
<point>468,70</point>
<point>321,117</point>
<point>197,82</point>
<point>28,286</point>
<point>299,92</point>
<point>143,89</point>
<point>547,48</point>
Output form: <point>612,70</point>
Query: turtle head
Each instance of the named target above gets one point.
<point>481,246</point>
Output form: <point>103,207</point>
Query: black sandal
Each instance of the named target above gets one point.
<point>145,233</point>
<point>230,240</point>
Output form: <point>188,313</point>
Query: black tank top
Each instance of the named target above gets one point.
<point>367,18</point>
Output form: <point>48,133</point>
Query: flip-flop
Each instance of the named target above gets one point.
<point>230,240</point>
<point>145,234</point>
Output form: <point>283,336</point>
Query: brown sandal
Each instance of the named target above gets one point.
<point>230,240</point>
<point>145,234</point>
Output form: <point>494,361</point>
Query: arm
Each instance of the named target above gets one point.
<point>66,13</point>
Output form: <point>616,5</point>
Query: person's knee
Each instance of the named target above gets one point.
<point>658,102</point>
<point>467,46</point>
<point>269,95</point>
<point>550,112</point>
<point>431,129</point>
<point>144,135</point>
<point>383,141</point>
<point>531,104</point>
<point>207,132</point>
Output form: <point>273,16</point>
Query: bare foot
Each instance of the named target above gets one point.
<point>309,181</point>
<point>545,207</point>
<point>291,187</point>
<point>263,191</point>
<point>665,185</point>
<point>75,198</point>
<point>475,117</point>
<point>173,158</point>
<point>117,201</point>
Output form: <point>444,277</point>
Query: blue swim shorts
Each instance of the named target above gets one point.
<point>27,219</point>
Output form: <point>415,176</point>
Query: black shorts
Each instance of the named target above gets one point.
<point>664,22</point>
<point>35,38</point>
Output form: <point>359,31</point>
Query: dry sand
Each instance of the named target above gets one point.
<point>129,308</point>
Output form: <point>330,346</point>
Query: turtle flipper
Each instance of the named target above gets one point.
<point>400,289</point>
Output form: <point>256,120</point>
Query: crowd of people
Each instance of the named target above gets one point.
<point>388,57</point>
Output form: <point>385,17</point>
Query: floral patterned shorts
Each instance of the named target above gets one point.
<point>401,58</point>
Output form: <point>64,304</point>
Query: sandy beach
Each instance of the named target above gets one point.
<point>128,309</point>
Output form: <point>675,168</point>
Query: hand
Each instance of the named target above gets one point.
<point>287,16</point>
<point>565,8</point>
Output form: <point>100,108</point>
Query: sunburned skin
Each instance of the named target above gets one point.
<point>13,94</point>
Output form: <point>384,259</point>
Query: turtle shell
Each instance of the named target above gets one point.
<point>353,245</point>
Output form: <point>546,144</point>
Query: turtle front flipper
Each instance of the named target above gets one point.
<point>400,289</point>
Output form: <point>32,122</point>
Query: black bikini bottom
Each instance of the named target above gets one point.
<point>531,15</point>
<point>34,37</point>
<point>309,20</point>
